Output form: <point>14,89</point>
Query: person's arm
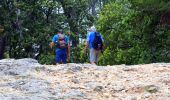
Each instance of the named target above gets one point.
<point>102,41</point>
<point>52,45</point>
<point>87,45</point>
<point>87,42</point>
<point>102,38</point>
<point>68,52</point>
<point>68,48</point>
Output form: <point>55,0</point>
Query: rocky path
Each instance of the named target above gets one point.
<point>26,79</point>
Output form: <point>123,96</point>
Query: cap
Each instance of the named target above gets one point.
<point>93,29</point>
<point>60,31</point>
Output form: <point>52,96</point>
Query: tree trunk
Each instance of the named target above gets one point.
<point>152,37</point>
<point>100,4</point>
<point>93,7</point>
<point>2,47</point>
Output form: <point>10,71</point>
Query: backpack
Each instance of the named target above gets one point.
<point>97,43</point>
<point>61,43</point>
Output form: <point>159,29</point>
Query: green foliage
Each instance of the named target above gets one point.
<point>47,59</point>
<point>135,31</point>
<point>133,36</point>
<point>107,58</point>
<point>37,21</point>
<point>151,5</point>
<point>78,55</point>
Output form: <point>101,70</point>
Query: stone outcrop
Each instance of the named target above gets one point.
<point>26,79</point>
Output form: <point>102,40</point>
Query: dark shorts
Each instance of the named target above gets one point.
<point>61,56</point>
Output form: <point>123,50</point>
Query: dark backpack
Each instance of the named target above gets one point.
<point>61,43</point>
<point>97,43</point>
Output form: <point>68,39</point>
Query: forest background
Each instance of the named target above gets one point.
<point>135,31</point>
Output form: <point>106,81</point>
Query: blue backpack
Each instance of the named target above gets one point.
<point>97,43</point>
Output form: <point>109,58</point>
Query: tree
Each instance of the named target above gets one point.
<point>27,23</point>
<point>5,22</point>
<point>134,32</point>
<point>2,42</point>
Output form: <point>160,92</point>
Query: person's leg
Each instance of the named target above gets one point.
<point>92,56</point>
<point>58,57</point>
<point>97,55</point>
<point>64,56</point>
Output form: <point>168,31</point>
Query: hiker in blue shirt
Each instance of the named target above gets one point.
<point>61,41</point>
<point>95,42</point>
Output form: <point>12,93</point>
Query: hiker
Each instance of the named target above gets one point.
<point>61,41</point>
<point>95,42</point>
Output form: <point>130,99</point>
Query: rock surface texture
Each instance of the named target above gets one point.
<point>26,79</point>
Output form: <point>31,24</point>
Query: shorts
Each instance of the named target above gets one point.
<point>94,55</point>
<point>61,56</point>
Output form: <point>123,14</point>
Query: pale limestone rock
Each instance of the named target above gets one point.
<point>26,79</point>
